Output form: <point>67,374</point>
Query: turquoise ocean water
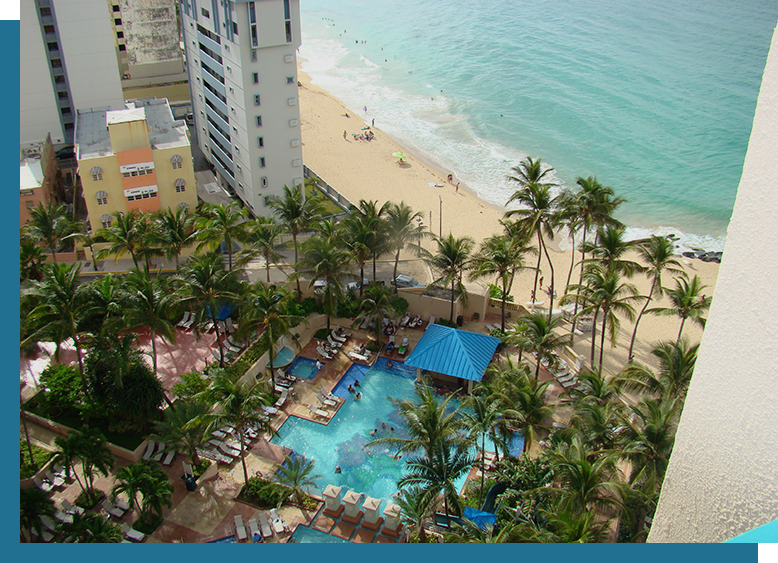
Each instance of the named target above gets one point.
<point>655,98</point>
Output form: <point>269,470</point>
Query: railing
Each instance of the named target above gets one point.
<point>336,197</point>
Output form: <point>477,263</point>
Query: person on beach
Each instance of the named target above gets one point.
<point>450,178</point>
<point>373,124</point>
<point>456,191</point>
<point>345,135</point>
<point>365,109</point>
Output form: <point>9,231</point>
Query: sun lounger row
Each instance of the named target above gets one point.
<point>131,533</point>
<point>112,509</point>
<point>165,458</point>
<point>360,357</point>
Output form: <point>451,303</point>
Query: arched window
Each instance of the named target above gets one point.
<point>183,205</point>
<point>180,185</point>
<point>97,173</point>
<point>176,161</point>
<point>102,197</point>
<point>105,220</point>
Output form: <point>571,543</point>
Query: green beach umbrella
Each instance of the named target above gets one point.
<point>399,155</point>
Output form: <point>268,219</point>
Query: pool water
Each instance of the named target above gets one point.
<point>227,539</point>
<point>283,358</point>
<point>303,367</point>
<point>372,471</point>
<point>304,534</point>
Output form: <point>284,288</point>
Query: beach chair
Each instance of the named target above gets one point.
<point>327,394</point>
<point>188,324</point>
<point>184,320</point>
<point>256,536</point>
<point>59,471</point>
<point>42,485</point>
<point>221,327</point>
<point>121,504</point>
<point>431,321</point>
<point>405,320</point>
<point>364,324</point>
<point>160,451</point>
<point>323,353</point>
<point>326,401</point>
<point>337,337</point>
<point>111,509</point>
<point>231,326</point>
<point>334,343</point>
<point>281,400</point>
<point>269,410</point>
<point>55,480</point>
<point>169,458</point>
<point>278,525</point>
<point>264,525</point>
<point>63,517</point>
<point>131,533</point>
<point>354,356</point>
<point>71,508</point>
<point>231,347</point>
<point>240,529</point>
<point>49,523</point>
<point>319,412</point>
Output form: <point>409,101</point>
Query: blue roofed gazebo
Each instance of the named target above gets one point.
<point>454,353</point>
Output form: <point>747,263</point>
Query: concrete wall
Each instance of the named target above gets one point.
<point>723,475</point>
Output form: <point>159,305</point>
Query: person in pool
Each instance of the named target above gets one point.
<point>350,389</point>
<point>374,432</point>
<point>338,469</point>
<point>356,383</point>
<point>389,364</point>
<point>357,396</point>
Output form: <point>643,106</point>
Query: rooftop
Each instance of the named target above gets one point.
<point>30,173</point>
<point>93,140</point>
<point>454,352</point>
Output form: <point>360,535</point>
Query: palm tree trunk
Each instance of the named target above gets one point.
<point>637,322</point>
<point>680,330</point>
<point>218,340</point>
<point>394,275</point>
<point>594,332</point>
<point>451,316</point>
<point>483,450</point>
<point>154,350</point>
<point>361,277</point>
<point>94,259</point>
<point>84,386</point>
<point>299,291</point>
<point>504,297</point>
<point>228,243</point>
<point>580,280</point>
<point>53,253</point>
<point>242,457</point>
<point>375,257</point>
<point>267,267</point>
<point>551,293</point>
<point>602,335</point>
<point>572,262</point>
<point>537,268</point>
<point>537,366</point>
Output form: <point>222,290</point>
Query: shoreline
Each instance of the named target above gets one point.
<point>366,170</point>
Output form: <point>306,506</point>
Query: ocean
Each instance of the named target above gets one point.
<point>654,98</point>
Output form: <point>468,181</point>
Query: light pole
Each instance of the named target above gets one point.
<point>440,220</point>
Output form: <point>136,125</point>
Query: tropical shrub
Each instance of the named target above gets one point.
<point>349,308</point>
<point>400,305</point>
<point>321,334</point>
<point>311,305</point>
<point>191,384</point>
<point>136,403</point>
<point>264,493</point>
<point>446,322</point>
<point>39,458</point>
<point>63,386</point>
<point>495,292</point>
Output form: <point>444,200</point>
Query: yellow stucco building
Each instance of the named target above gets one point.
<point>136,158</point>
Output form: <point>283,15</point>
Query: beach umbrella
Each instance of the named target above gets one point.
<point>399,154</point>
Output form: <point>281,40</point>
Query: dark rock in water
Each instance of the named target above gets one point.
<point>689,254</point>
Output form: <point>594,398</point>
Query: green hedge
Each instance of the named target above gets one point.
<point>321,334</point>
<point>264,493</point>
<point>39,458</point>
<point>446,322</point>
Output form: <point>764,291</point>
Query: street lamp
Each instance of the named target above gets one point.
<point>440,220</point>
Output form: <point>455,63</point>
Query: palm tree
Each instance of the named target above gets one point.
<point>267,310</point>
<point>263,238</point>
<point>451,260</point>
<point>657,254</point>
<point>34,504</point>
<point>104,308</point>
<point>403,227</point>
<point>370,214</point>
<point>68,454</point>
<point>130,481</point>
<point>596,388</point>
<point>609,250</point>
<point>529,410</point>
<point>538,209</point>
<point>501,256</point>
<point>31,260</point>
<point>49,224</point>
<point>60,313</point>
<point>686,302</point>
<point>415,504</point>
<point>81,233</point>
<point>184,428</point>
<point>324,260</point>
<point>148,302</point>
<point>376,305</point>
<point>596,205</point>
<point>575,527</point>
<point>237,405</point>
<point>569,215</point>
<point>174,231</point>
<point>127,234</point>
<point>205,285</point>
<point>535,333</point>
<point>296,213</point>
<point>469,532</point>
<point>481,419</point>
<point>295,473</point>
<point>358,237</point>
<point>676,367</point>
<point>606,293</point>
<point>92,528</point>
<point>222,224</point>
<point>156,490</point>
<point>94,455</point>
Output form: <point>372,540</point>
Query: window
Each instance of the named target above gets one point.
<point>229,68</point>
<point>117,21</point>
<point>266,201</point>
<point>240,186</point>
<point>291,102</point>
<point>261,161</point>
<point>48,28</point>
<point>256,99</point>
<point>53,46</point>
<point>259,121</point>
<point>62,95</point>
<point>263,180</point>
<point>183,205</point>
<point>59,79</point>
<point>45,11</point>
<point>65,111</point>
<point>297,162</point>
<point>293,123</point>
<point>288,32</point>
<point>253,55</point>
<point>261,141</point>
<point>205,13</point>
<point>101,197</point>
<point>122,47</point>
<point>56,63</point>
<point>176,160</point>
<point>115,8</point>
<point>68,126</point>
<point>29,204</point>
<point>290,79</point>
<point>235,28</point>
<point>286,10</point>
<point>119,35</point>
<point>105,220</point>
<point>255,77</point>
<point>180,185</point>
<point>97,173</point>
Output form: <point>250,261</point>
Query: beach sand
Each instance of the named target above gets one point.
<point>366,170</point>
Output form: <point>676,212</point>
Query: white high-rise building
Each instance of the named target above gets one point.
<point>242,64</point>
<point>67,64</point>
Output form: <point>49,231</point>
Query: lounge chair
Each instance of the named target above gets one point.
<point>364,324</point>
<point>327,395</point>
<point>169,458</point>
<point>149,450</point>
<point>55,480</point>
<point>402,350</point>
<point>121,504</point>
<point>256,536</point>
<point>63,517</point>
<point>269,410</point>
<point>334,343</point>
<point>569,383</point>
<point>49,523</point>
<point>340,339</point>
<point>319,412</point>
<point>184,320</point>
<point>328,402</point>
<point>132,533</point>
<point>281,399</point>
<point>431,322</point>
<point>405,342</point>
<point>275,520</point>
<point>233,349</point>
<point>229,450</point>
<point>360,357</point>
<point>285,376</point>
<point>188,324</point>
<point>405,320</point>
<point>235,343</point>
<point>323,353</point>
<point>232,327</point>
<point>71,508</point>
<point>60,471</point>
<point>264,525</point>
<point>160,451</point>
<point>283,383</point>
<point>42,484</point>
<point>222,328</point>
<point>240,529</point>
<point>111,509</point>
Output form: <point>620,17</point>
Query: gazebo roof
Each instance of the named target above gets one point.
<point>453,352</point>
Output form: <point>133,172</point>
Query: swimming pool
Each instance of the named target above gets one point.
<point>283,358</point>
<point>304,534</point>
<point>303,367</point>
<point>372,471</point>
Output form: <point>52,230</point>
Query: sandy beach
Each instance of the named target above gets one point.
<point>366,170</point>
